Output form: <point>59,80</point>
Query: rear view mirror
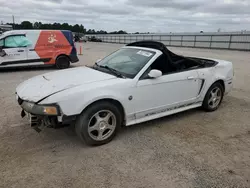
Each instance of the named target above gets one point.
<point>154,73</point>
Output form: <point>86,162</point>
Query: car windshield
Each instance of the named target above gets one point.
<point>127,61</point>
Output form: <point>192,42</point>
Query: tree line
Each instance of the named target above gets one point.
<point>58,26</point>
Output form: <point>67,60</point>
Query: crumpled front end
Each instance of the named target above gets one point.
<point>41,116</point>
<point>45,97</point>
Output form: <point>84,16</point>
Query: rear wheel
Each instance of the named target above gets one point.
<point>213,97</point>
<point>99,123</point>
<point>62,62</point>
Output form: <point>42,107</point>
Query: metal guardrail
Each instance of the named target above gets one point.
<point>229,41</point>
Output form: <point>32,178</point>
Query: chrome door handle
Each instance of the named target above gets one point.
<point>190,77</point>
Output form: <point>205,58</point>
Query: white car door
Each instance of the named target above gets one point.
<point>15,54</point>
<point>155,95</point>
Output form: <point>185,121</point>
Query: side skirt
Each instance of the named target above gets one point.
<point>166,113</point>
<point>25,61</point>
<point>22,65</point>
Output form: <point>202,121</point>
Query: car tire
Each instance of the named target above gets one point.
<point>62,62</point>
<point>213,97</point>
<point>93,125</point>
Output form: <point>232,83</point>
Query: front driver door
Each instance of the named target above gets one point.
<point>15,53</point>
<point>171,90</point>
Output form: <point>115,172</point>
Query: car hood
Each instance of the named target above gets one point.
<point>39,87</point>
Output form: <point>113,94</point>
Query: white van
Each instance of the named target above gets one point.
<point>37,47</point>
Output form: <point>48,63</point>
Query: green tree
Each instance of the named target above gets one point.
<point>65,26</point>
<point>76,28</point>
<point>56,26</point>
<point>118,32</point>
<point>26,25</point>
<point>37,25</point>
<point>82,29</point>
<point>91,31</point>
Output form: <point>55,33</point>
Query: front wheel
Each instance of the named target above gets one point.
<point>213,97</point>
<point>99,123</point>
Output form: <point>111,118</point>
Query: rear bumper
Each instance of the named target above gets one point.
<point>73,58</point>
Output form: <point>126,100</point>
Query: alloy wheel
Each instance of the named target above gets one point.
<point>215,97</point>
<point>101,125</point>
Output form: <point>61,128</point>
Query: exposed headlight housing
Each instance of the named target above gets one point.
<point>49,110</point>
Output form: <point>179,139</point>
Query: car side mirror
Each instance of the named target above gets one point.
<point>154,73</point>
<point>2,52</point>
<point>98,60</point>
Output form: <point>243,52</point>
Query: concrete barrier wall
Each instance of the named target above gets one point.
<point>230,41</point>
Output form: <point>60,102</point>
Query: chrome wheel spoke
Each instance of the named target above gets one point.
<point>212,94</point>
<point>217,92</point>
<point>107,117</point>
<point>98,118</point>
<point>111,126</point>
<point>95,127</point>
<point>100,134</point>
<point>210,100</point>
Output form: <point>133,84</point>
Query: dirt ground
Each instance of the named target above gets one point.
<point>189,149</point>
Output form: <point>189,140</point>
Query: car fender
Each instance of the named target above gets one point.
<point>108,96</point>
<point>74,101</point>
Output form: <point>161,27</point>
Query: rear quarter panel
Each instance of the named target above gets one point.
<point>51,44</point>
<point>222,71</point>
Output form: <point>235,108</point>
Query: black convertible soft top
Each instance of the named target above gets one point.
<point>174,60</point>
<point>159,46</point>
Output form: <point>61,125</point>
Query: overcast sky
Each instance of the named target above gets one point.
<point>134,15</point>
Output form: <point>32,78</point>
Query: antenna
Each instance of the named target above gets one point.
<point>13,19</point>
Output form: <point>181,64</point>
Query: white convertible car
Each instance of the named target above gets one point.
<point>137,83</point>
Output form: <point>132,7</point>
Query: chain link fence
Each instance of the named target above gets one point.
<point>230,41</point>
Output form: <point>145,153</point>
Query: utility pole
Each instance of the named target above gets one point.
<point>13,18</point>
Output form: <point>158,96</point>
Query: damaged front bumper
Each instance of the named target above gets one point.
<point>39,122</point>
<point>43,110</point>
<point>41,116</point>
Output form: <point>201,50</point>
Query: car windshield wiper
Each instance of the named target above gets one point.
<point>117,73</point>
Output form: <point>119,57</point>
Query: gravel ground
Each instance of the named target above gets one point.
<point>189,149</point>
